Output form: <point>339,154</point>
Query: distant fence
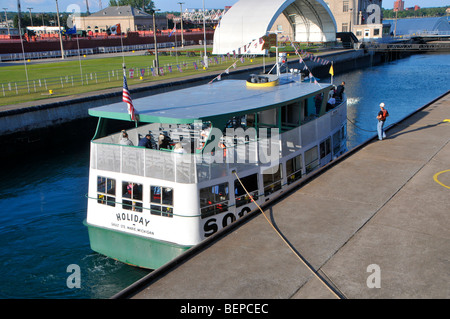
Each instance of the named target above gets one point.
<point>44,85</point>
<point>90,51</point>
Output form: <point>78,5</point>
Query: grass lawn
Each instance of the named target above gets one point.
<point>64,77</point>
<point>61,76</point>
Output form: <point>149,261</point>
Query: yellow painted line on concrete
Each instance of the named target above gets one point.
<point>437,180</point>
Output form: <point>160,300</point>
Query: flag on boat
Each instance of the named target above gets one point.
<point>126,97</point>
<point>331,70</point>
<point>173,30</point>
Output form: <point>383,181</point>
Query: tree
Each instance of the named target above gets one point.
<point>144,5</point>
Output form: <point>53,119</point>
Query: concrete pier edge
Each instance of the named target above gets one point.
<point>167,268</point>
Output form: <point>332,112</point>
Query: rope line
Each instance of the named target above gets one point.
<point>358,126</point>
<point>315,272</point>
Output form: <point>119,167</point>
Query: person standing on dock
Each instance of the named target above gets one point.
<point>382,115</point>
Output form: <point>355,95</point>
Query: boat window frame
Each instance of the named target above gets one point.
<point>325,147</point>
<point>135,201</point>
<point>163,207</point>
<point>272,181</point>
<point>314,163</point>
<point>219,203</point>
<point>241,198</point>
<point>104,197</point>
<point>296,172</point>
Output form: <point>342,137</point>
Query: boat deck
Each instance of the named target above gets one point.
<point>385,204</point>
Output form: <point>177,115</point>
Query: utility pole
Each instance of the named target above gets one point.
<point>153,11</point>
<point>6,20</point>
<point>60,33</point>
<point>181,16</point>
<point>205,58</point>
<point>31,18</point>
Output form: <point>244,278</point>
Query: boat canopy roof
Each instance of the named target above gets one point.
<point>211,102</point>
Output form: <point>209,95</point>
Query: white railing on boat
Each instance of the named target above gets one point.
<point>195,168</point>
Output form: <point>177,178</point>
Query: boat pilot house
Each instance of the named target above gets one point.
<point>200,158</point>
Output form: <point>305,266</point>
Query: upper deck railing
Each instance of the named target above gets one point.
<point>196,168</point>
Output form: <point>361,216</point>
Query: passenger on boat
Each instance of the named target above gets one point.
<point>205,133</point>
<point>331,103</point>
<point>318,102</point>
<point>124,140</point>
<point>179,149</point>
<point>146,141</point>
<point>163,141</point>
<point>340,90</point>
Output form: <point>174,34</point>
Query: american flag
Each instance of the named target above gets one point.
<point>127,99</point>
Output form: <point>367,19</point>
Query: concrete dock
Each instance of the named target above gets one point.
<point>374,225</point>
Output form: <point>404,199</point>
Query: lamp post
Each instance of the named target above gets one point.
<point>181,16</point>
<point>205,58</point>
<point>60,33</point>
<point>6,20</point>
<point>31,17</point>
<point>156,44</point>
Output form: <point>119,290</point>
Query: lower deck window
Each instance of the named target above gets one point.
<point>311,159</point>
<point>214,200</point>
<point>325,148</point>
<point>161,199</point>
<point>251,185</point>
<point>106,191</point>
<point>272,179</point>
<point>294,169</point>
<point>336,142</point>
<point>132,196</point>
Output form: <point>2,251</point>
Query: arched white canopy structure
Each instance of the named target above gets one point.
<point>248,20</point>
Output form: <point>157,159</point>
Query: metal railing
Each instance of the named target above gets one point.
<point>196,168</point>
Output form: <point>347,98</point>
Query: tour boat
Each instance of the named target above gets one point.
<point>146,206</point>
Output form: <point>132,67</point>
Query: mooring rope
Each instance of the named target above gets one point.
<point>358,126</point>
<point>315,273</point>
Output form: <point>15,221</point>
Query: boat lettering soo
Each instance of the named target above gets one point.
<point>147,205</point>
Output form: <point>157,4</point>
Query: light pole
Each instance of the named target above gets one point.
<point>156,44</point>
<point>60,33</point>
<point>31,18</point>
<point>6,20</point>
<point>205,58</point>
<point>181,16</point>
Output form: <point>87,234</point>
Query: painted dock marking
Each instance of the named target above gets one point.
<point>435,177</point>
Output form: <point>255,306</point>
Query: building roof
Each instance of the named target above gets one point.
<point>120,11</point>
<point>415,25</point>
<point>249,20</point>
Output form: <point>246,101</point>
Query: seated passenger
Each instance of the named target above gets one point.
<point>179,149</point>
<point>331,103</point>
<point>124,140</point>
<point>146,141</point>
<point>163,141</point>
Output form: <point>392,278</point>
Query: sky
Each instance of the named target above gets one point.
<point>164,5</point>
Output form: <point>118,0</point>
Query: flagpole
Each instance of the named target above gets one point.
<point>21,42</point>
<point>123,54</point>
<point>332,65</point>
<point>79,59</point>
<point>59,29</point>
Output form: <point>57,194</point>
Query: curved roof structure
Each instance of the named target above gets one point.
<point>248,20</point>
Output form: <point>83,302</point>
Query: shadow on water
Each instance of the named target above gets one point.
<point>43,199</point>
